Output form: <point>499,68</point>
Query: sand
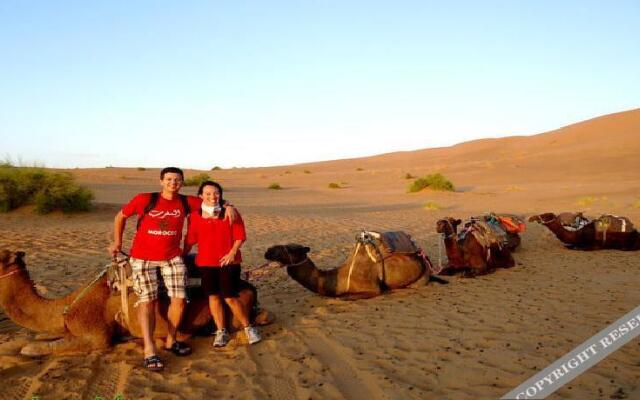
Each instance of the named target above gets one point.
<point>470,339</point>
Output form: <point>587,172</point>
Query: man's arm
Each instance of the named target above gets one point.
<point>230,213</point>
<point>118,229</point>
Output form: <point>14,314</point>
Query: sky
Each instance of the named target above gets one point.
<point>198,84</point>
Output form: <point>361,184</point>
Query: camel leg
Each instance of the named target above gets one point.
<point>420,282</point>
<point>358,296</point>
<point>47,336</point>
<point>66,345</point>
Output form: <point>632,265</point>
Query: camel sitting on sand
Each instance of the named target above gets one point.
<point>85,320</point>
<point>362,275</point>
<point>475,253</point>
<point>581,233</point>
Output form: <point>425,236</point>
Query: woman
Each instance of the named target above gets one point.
<point>219,259</point>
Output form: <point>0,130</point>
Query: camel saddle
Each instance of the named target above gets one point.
<point>608,224</point>
<point>573,221</point>
<point>502,223</point>
<point>380,246</point>
<point>389,242</point>
<point>485,233</point>
<point>120,282</point>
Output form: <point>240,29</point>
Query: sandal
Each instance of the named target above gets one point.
<point>153,363</point>
<point>180,349</point>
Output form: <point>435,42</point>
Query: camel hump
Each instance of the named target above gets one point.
<point>398,242</point>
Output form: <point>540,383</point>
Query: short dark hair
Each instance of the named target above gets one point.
<point>210,183</point>
<point>174,170</point>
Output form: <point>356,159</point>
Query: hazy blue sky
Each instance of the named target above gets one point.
<point>237,83</point>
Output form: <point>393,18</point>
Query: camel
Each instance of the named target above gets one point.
<point>591,234</point>
<point>469,255</point>
<point>358,277</point>
<point>86,319</point>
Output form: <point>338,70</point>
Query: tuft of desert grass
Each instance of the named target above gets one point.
<point>196,180</point>
<point>431,206</point>
<point>334,185</point>
<point>433,182</point>
<point>586,201</point>
<point>275,186</point>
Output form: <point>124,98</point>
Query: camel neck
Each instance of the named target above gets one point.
<point>453,251</point>
<point>309,276</point>
<point>561,233</point>
<point>27,308</point>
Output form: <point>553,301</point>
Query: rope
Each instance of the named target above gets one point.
<point>353,262</point>
<point>66,309</point>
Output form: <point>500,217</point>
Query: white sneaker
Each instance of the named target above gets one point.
<point>221,339</point>
<point>252,334</point>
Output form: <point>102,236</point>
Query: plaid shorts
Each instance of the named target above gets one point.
<point>148,276</point>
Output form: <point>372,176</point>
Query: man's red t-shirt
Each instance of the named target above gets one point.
<point>159,235</point>
<point>214,237</point>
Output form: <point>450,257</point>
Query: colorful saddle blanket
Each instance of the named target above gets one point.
<point>390,242</point>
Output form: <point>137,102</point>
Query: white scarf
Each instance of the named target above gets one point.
<point>211,210</point>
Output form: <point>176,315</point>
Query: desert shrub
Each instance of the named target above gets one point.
<point>197,180</point>
<point>275,186</point>
<point>142,169</point>
<point>334,185</point>
<point>216,168</point>
<point>306,171</point>
<point>409,176</point>
<point>433,182</point>
<point>359,169</point>
<point>49,191</point>
<point>61,193</point>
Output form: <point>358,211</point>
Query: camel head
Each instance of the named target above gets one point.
<point>9,260</point>
<point>542,218</point>
<point>448,226</point>
<point>287,254</point>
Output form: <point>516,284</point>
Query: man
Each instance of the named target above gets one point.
<point>156,251</point>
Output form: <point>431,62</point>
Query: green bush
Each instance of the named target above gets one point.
<point>433,182</point>
<point>275,186</point>
<point>49,191</point>
<point>196,180</point>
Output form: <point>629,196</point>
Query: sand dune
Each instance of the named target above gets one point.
<point>474,338</point>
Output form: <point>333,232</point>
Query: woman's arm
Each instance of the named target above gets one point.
<point>231,255</point>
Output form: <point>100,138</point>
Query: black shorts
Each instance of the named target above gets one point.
<point>223,281</point>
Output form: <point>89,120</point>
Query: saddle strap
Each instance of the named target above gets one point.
<point>124,294</point>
